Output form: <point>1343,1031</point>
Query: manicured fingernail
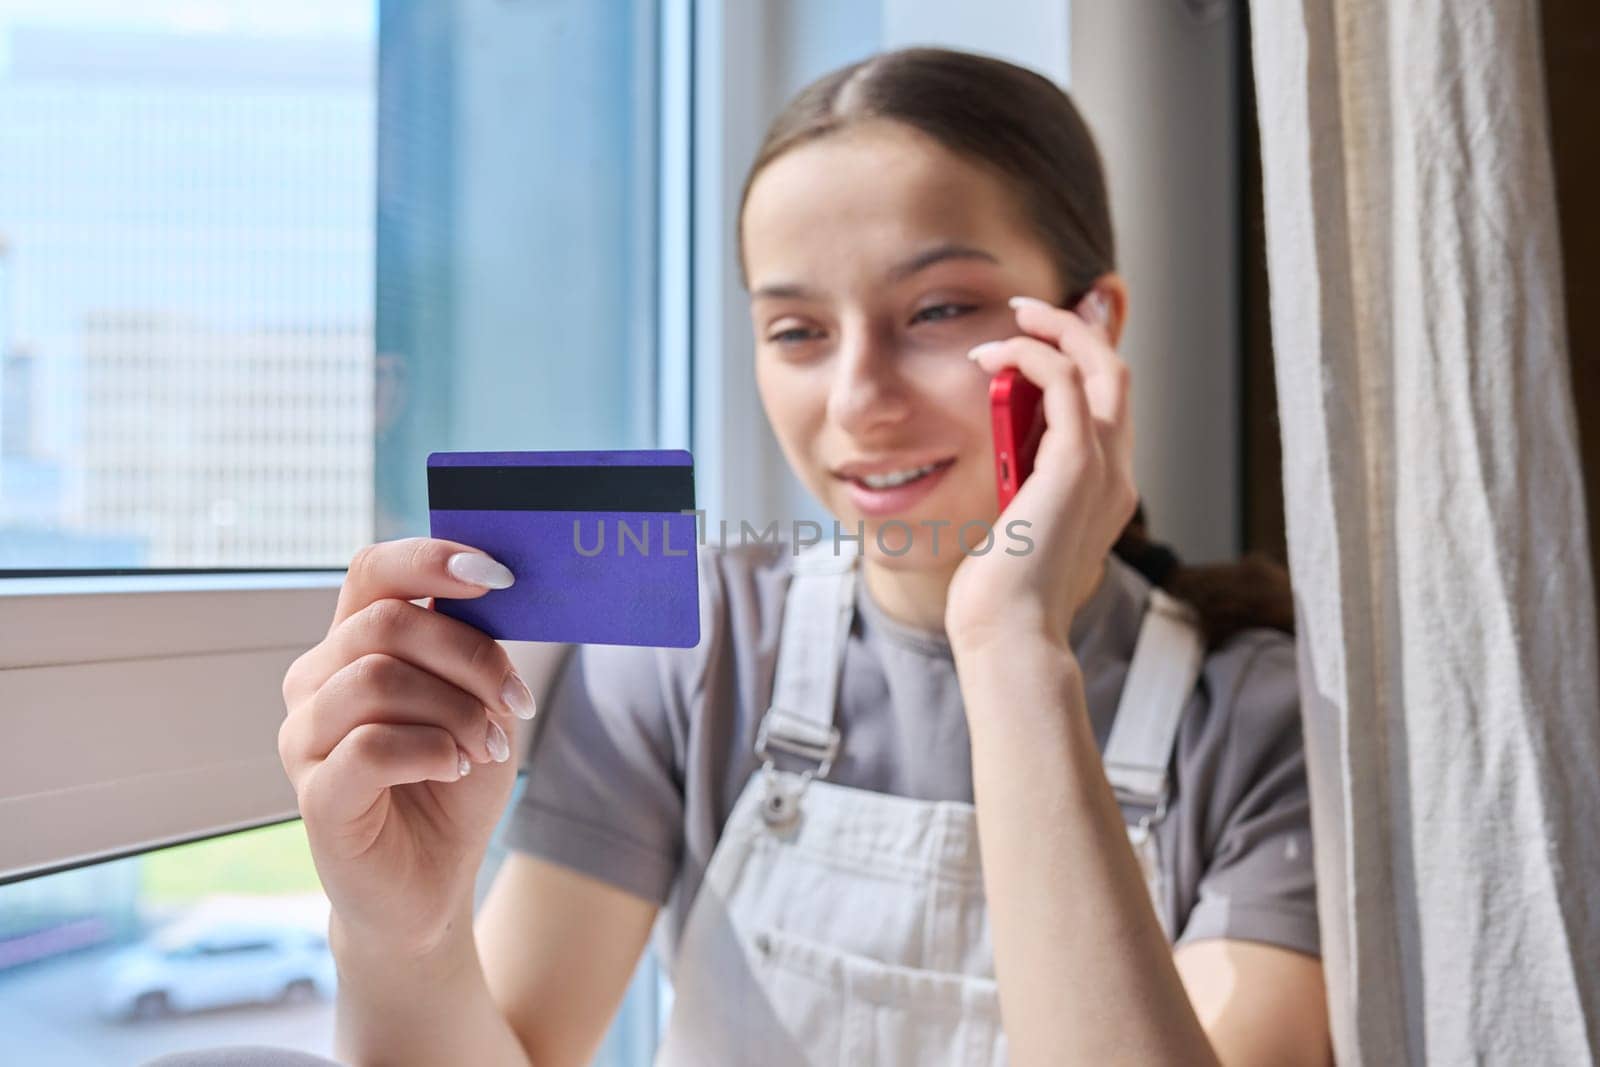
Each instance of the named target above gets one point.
<point>478,569</point>
<point>463,762</point>
<point>985,349</point>
<point>1028,301</point>
<point>518,697</point>
<point>499,747</point>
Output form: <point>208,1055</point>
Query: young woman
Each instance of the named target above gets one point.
<point>871,809</point>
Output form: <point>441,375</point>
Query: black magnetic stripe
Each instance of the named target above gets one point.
<point>581,488</point>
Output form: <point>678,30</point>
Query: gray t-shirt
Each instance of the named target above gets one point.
<point>640,753</point>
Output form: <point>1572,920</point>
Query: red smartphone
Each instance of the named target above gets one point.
<point>1016,415</point>
<point>1014,409</point>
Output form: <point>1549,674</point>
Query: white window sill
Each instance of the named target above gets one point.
<point>143,709</point>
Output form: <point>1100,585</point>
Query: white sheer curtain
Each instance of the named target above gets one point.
<point>1436,527</point>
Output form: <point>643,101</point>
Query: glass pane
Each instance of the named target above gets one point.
<point>219,942</point>
<point>186,279</point>
<point>516,234</point>
<point>517,252</point>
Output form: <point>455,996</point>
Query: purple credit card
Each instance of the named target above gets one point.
<point>602,544</point>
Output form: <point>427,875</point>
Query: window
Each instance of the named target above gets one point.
<point>255,262</point>
<point>516,234</point>
<point>520,214</point>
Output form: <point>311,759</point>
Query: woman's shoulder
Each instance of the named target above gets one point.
<point>1248,682</point>
<point>1255,668</point>
<point>743,583</point>
<point>740,599</point>
<point>1251,717</point>
<point>747,560</point>
<point>741,604</point>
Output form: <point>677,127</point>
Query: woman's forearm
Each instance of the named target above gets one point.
<point>404,1008</point>
<point>1085,973</point>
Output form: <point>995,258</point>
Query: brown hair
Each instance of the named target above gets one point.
<point>1016,121</point>
<point>1024,126</point>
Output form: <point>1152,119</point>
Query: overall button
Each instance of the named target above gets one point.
<point>780,806</point>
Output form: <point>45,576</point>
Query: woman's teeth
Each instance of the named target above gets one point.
<point>894,478</point>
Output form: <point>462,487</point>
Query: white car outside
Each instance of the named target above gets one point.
<point>215,963</point>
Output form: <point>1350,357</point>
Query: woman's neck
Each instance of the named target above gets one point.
<point>914,598</point>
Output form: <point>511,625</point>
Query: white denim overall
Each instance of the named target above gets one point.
<point>843,926</point>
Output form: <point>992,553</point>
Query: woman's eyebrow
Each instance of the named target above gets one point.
<point>899,272</point>
<point>937,254</point>
<point>784,291</point>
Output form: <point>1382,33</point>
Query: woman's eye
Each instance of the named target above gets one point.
<point>792,336</point>
<point>940,312</point>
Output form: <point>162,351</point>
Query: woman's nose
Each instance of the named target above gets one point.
<point>868,388</point>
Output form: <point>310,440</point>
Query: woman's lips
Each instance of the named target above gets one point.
<point>877,503</point>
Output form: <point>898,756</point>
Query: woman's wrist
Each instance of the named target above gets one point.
<point>418,1003</point>
<point>1017,674</point>
<point>362,951</point>
<point>1014,643</point>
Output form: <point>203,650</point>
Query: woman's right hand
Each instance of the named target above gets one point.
<point>397,742</point>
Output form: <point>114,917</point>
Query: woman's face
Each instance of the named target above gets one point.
<point>876,259</point>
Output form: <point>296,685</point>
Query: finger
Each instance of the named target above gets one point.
<point>1070,438</point>
<point>1067,330</point>
<point>371,759</point>
<point>1038,360</point>
<point>382,689</point>
<point>1069,463</point>
<point>457,652</point>
<point>414,568</point>
<point>1080,332</point>
<point>1106,374</point>
<point>1067,416</point>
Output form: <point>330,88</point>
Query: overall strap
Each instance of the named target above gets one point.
<point>816,625</point>
<point>1166,665</point>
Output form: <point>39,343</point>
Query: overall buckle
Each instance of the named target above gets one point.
<point>792,735</point>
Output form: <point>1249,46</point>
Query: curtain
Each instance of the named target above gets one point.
<point>1436,527</point>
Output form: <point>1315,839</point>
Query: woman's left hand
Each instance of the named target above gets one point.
<point>1079,497</point>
